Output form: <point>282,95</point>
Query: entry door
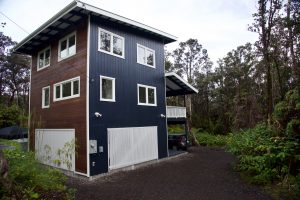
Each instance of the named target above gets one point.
<point>133,145</point>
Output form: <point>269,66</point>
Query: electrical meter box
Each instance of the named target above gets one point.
<point>93,146</point>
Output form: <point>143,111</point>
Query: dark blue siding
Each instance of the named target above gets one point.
<point>127,73</point>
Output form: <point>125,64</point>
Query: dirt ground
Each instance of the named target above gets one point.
<point>205,173</point>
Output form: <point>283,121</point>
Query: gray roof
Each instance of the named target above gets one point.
<point>72,14</point>
<point>175,85</point>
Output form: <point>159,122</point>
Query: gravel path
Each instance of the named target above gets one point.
<point>205,173</point>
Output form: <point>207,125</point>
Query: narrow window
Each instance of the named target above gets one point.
<point>117,45</point>
<point>107,88</point>
<point>151,96</point>
<point>111,43</point>
<point>57,93</point>
<point>105,41</point>
<point>67,89</point>
<point>146,95</point>
<point>46,97</point>
<point>145,56</point>
<point>142,95</point>
<point>67,46</point>
<point>76,87</point>
<point>43,59</point>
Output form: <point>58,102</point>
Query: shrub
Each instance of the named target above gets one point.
<point>207,139</point>
<point>27,179</point>
<point>263,157</point>
<point>8,115</point>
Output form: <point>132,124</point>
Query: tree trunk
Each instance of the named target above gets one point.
<point>188,104</point>
<point>269,94</point>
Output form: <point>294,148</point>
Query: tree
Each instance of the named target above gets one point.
<point>14,74</point>
<point>5,43</point>
<point>189,58</point>
<point>17,79</point>
<point>264,22</point>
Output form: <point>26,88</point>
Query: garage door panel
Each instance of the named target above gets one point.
<point>119,139</point>
<point>129,146</point>
<point>53,145</point>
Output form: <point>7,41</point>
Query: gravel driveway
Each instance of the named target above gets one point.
<point>204,173</point>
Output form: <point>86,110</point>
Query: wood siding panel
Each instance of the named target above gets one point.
<point>70,113</point>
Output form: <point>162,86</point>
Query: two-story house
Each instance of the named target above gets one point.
<point>98,81</point>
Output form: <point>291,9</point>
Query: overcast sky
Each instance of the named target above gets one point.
<point>219,25</point>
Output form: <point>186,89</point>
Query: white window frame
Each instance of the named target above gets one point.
<point>147,97</point>
<point>145,50</point>
<point>43,97</point>
<point>38,68</point>
<point>72,80</point>
<point>111,43</point>
<point>67,38</point>
<point>113,89</point>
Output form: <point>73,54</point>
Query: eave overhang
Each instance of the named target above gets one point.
<point>70,16</point>
<point>175,85</point>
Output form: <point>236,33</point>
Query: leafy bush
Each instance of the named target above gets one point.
<point>272,154</point>
<point>207,139</point>
<point>27,179</point>
<point>8,115</point>
<point>265,158</point>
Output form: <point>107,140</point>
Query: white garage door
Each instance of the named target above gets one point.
<point>129,146</point>
<point>56,147</point>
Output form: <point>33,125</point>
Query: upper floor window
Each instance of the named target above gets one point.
<point>43,59</point>
<point>46,97</point>
<point>111,43</point>
<point>146,95</point>
<point>67,46</point>
<point>67,89</point>
<point>107,88</point>
<point>145,56</point>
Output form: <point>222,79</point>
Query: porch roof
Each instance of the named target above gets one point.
<point>175,85</point>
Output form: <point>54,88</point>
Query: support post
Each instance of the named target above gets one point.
<point>185,124</point>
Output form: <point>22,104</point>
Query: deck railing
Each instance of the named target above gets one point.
<point>176,112</point>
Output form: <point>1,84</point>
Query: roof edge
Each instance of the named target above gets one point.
<point>70,6</point>
<point>181,79</point>
<point>124,19</point>
<point>91,8</point>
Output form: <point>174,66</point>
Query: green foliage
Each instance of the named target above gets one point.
<point>292,126</point>
<point>287,114</point>
<point>176,129</point>
<point>265,158</point>
<point>27,179</point>
<point>272,153</point>
<point>281,109</point>
<point>204,138</point>
<point>9,115</point>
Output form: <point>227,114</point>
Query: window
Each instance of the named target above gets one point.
<point>145,56</point>
<point>67,89</point>
<point>43,59</point>
<point>46,97</point>
<point>67,46</point>
<point>146,95</point>
<point>107,89</point>
<point>111,43</point>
